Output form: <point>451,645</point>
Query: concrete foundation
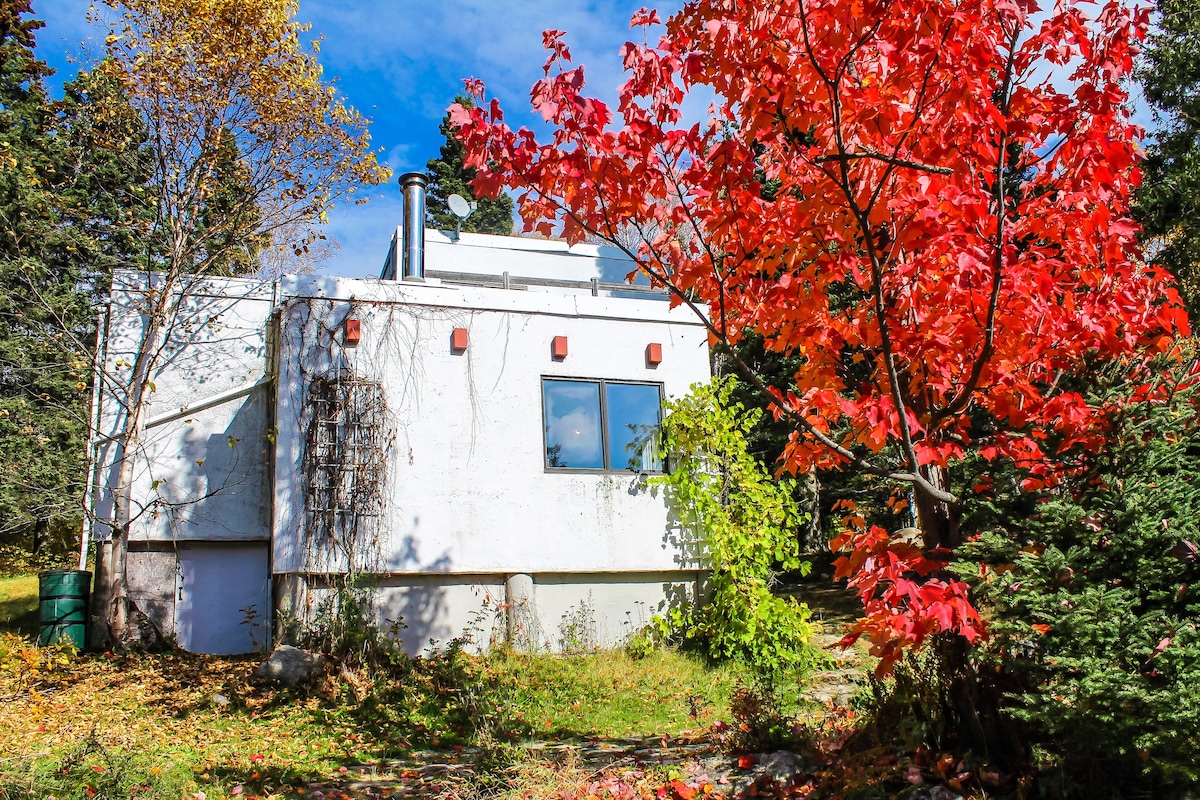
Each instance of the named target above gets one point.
<point>531,613</point>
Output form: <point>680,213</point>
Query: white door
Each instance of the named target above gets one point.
<point>221,600</point>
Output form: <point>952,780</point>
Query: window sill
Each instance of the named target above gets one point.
<point>582,471</point>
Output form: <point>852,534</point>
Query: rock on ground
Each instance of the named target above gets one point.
<point>291,667</point>
<point>932,793</point>
<point>768,772</point>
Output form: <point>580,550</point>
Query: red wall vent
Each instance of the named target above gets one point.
<point>353,332</point>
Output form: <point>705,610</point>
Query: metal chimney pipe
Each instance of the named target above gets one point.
<point>412,185</point>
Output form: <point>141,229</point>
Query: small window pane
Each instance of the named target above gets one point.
<point>632,412</point>
<point>573,438</point>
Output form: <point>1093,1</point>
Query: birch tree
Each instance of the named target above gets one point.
<point>217,81</point>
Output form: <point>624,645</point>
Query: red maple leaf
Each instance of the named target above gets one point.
<point>899,194</point>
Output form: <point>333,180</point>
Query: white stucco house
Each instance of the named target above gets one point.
<point>468,432</point>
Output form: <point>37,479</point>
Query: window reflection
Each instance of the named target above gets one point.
<point>601,425</point>
<point>632,417</point>
<point>573,437</point>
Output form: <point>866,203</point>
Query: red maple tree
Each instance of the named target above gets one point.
<point>927,201</point>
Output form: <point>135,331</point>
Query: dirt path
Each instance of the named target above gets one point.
<point>833,608</point>
<point>434,773</point>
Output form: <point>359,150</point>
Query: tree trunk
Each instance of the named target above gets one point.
<point>111,603</point>
<point>116,619</point>
<point>970,700</point>
<point>41,534</point>
<point>938,519</point>
<point>99,635</point>
<point>810,536</point>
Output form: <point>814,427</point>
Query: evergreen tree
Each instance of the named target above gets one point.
<point>236,241</point>
<point>448,175</point>
<point>41,395</point>
<point>109,203</point>
<point>1168,201</point>
<point>70,211</point>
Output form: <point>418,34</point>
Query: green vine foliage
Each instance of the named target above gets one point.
<point>740,523</point>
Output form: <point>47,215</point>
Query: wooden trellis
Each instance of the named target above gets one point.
<point>345,464</point>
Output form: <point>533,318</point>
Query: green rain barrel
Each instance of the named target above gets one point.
<point>63,603</point>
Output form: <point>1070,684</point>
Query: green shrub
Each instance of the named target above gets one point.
<point>907,706</point>
<point>737,521</point>
<point>1093,596</point>
<point>759,725</point>
<point>16,558</point>
<point>343,627</point>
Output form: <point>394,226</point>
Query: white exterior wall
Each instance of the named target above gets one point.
<point>580,611</point>
<point>564,611</point>
<point>468,491</point>
<point>417,608</point>
<point>484,254</point>
<point>201,468</point>
<point>468,503</point>
<point>199,538</point>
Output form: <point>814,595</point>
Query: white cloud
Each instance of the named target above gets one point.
<point>399,157</point>
<point>578,434</point>
<point>573,422</point>
<point>410,58</point>
<point>421,50</point>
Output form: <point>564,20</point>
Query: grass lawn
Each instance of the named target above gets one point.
<point>609,694</point>
<point>19,604</point>
<point>179,724</point>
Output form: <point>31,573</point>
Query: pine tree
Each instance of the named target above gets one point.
<point>41,394</point>
<point>237,242</point>
<point>448,175</point>
<point>109,203</point>
<point>70,179</point>
<point>1168,202</point>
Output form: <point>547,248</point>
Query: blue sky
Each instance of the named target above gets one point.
<point>400,62</point>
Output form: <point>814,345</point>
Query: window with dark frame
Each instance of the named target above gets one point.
<point>601,425</point>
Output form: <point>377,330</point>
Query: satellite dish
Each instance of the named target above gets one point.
<point>459,206</point>
<point>461,209</point>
